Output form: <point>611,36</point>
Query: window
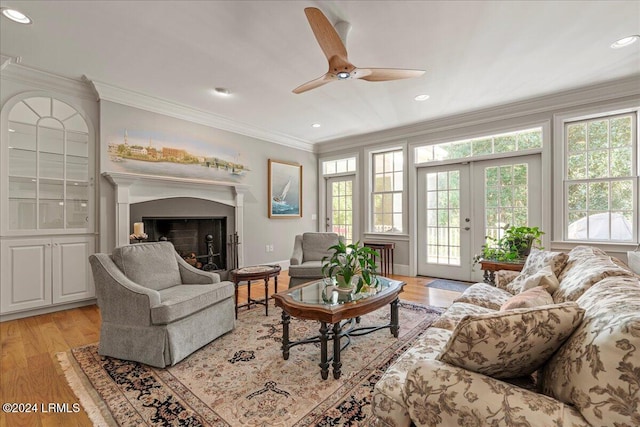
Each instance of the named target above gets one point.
<point>331,167</point>
<point>388,183</point>
<point>522,140</point>
<point>506,198</point>
<point>443,217</point>
<point>601,179</point>
<point>339,176</point>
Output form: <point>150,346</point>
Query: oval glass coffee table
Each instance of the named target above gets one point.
<point>338,316</point>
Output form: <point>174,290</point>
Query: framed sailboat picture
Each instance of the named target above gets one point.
<point>285,189</point>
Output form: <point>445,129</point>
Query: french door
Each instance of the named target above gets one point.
<point>460,204</point>
<point>340,207</point>
<point>444,222</point>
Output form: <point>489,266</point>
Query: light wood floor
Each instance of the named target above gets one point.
<point>30,373</point>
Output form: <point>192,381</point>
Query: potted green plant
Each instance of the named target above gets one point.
<point>350,265</point>
<point>513,246</point>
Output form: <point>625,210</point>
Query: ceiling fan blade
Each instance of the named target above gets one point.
<point>384,74</point>
<point>325,33</point>
<point>327,78</point>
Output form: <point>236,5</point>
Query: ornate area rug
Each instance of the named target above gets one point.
<point>241,378</point>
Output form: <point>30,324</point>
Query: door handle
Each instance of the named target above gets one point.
<point>467,228</point>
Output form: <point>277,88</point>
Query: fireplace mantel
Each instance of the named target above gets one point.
<point>135,188</point>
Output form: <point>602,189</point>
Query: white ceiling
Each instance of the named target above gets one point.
<point>476,53</point>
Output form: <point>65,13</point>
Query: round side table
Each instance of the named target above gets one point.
<point>256,272</point>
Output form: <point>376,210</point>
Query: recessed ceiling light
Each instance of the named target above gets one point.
<point>16,16</point>
<point>222,91</point>
<point>625,41</point>
<point>421,97</point>
<point>12,130</point>
<point>315,125</point>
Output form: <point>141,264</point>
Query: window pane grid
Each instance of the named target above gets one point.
<point>443,218</point>
<point>331,167</point>
<point>506,198</point>
<point>341,203</point>
<point>504,143</point>
<point>600,184</point>
<point>388,184</point>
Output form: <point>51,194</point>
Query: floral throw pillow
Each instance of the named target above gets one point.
<point>544,278</point>
<point>533,297</point>
<point>510,344</point>
<point>536,261</point>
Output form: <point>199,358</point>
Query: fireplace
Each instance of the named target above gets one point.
<point>142,196</point>
<point>202,242</point>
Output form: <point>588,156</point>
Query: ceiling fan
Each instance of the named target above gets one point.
<point>339,66</point>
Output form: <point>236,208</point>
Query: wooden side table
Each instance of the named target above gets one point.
<point>490,267</point>
<point>385,252</point>
<point>257,272</point>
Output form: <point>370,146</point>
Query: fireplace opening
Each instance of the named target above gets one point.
<point>201,241</point>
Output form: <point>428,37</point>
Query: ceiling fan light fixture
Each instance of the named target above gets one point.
<point>334,50</point>
<point>16,16</point>
<point>422,97</point>
<point>625,41</point>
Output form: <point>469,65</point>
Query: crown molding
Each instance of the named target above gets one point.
<point>142,101</point>
<point>602,92</point>
<point>14,71</point>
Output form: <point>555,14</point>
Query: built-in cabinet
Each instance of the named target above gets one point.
<point>47,219</point>
<point>39,272</point>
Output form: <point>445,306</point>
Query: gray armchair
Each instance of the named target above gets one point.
<point>155,307</point>
<point>306,261</point>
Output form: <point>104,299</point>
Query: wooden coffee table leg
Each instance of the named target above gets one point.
<point>336,351</point>
<point>266,296</point>
<point>285,334</point>
<point>395,324</point>
<point>324,365</point>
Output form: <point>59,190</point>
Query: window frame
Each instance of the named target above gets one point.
<point>323,188</point>
<point>541,126</point>
<point>369,173</point>
<point>561,120</point>
<point>336,159</point>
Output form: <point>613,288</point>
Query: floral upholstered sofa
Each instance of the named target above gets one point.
<point>512,355</point>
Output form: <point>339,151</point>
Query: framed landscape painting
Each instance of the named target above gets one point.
<point>285,189</point>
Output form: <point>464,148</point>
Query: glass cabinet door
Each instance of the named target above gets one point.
<point>50,167</point>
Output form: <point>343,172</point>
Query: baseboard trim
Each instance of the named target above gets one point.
<point>401,269</point>
<point>45,310</point>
